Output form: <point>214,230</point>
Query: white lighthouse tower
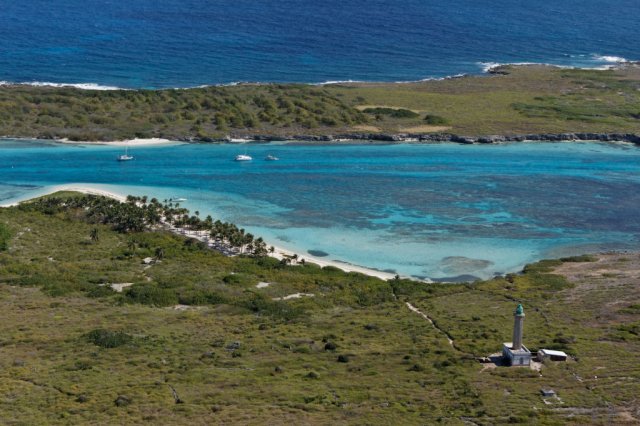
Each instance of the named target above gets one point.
<point>514,352</point>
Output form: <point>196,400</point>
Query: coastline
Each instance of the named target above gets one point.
<point>601,63</point>
<point>279,253</point>
<point>366,139</point>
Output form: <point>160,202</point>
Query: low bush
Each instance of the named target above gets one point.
<point>275,309</point>
<point>5,236</point>
<point>435,120</point>
<point>392,112</point>
<point>582,258</point>
<point>151,294</point>
<point>108,339</point>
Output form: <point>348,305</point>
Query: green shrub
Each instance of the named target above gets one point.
<point>582,258</point>
<point>100,291</point>
<point>236,279</point>
<point>108,339</point>
<point>151,294</point>
<point>435,120</point>
<point>392,112</point>
<point>542,266</point>
<point>5,236</point>
<point>631,309</point>
<point>200,297</point>
<point>276,309</point>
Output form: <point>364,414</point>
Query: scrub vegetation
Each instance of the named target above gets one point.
<point>512,100</point>
<point>192,339</point>
<point>200,113</point>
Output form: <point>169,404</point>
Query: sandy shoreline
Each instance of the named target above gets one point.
<point>85,189</point>
<point>129,142</point>
<point>279,253</point>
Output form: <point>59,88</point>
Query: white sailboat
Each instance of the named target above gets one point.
<point>243,157</point>
<point>125,156</point>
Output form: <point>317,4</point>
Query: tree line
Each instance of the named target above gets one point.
<point>138,214</point>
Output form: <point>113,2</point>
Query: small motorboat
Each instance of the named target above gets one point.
<point>243,157</point>
<point>271,158</point>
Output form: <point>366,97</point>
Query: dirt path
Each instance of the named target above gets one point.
<point>425,316</point>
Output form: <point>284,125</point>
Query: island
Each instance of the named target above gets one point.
<point>510,102</point>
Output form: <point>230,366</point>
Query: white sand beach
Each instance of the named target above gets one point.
<point>129,142</point>
<point>84,189</point>
<point>281,253</point>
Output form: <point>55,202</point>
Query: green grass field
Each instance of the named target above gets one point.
<point>527,99</point>
<point>194,341</point>
<point>519,100</point>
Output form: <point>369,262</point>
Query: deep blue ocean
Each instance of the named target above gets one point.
<point>440,211</point>
<point>184,43</point>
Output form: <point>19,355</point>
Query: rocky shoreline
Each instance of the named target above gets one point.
<point>384,138</point>
<point>433,137</point>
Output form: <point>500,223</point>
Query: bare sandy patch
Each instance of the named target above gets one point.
<point>366,128</point>
<point>294,296</point>
<point>119,287</point>
<point>425,129</point>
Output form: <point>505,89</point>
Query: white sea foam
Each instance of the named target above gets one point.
<point>83,86</point>
<point>610,62</point>
<point>609,58</point>
<point>448,77</point>
<point>601,62</point>
<point>324,83</point>
<point>488,66</point>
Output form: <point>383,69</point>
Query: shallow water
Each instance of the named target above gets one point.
<point>437,211</point>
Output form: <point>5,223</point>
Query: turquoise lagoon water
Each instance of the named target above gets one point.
<point>442,211</point>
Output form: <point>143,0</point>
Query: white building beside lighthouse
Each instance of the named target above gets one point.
<point>514,352</point>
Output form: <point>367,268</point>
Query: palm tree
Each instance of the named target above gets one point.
<point>131,245</point>
<point>159,253</point>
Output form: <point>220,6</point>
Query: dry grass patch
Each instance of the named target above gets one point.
<point>373,129</point>
<point>425,129</point>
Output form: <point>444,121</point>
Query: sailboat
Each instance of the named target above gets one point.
<point>125,156</point>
